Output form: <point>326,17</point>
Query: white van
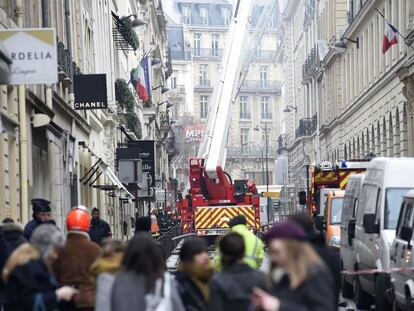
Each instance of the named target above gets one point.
<point>401,256</point>
<point>348,219</point>
<point>385,183</point>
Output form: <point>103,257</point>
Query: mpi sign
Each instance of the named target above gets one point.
<point>33,54</point>
<point>90,92</point>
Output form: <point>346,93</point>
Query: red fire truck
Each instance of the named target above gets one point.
<point>328,175</point>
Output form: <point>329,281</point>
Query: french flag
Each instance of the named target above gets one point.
<point>390,37</point>
<point>141,80</point>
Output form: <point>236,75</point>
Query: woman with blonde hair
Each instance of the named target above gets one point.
<point>103,270</point>
<point>298,277</point>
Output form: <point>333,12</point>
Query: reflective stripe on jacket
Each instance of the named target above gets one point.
<point>254,248</point>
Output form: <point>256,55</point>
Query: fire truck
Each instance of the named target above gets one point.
<point>329,175</point>
<point>214,198</point>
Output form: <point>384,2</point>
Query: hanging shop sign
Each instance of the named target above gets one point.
<point>143,150</point>
<point>33,54</point>
<point>90,92</point>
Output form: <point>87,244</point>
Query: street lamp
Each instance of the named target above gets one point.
<point>163,89</point>
<point>169,105</point>
<point>340,45</point>
<point>288,107</point>
<point>137,22</point>
<point>258,128</point>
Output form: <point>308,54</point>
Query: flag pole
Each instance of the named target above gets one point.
<point>397,31</point>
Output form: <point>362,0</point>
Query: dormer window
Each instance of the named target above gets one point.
<point>204,15</point>
<point>225,12</point>
<point>187,14</point>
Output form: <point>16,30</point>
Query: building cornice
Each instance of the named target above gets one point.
<point>361,18</point>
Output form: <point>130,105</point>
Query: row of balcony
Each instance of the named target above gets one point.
<point>207,53</point>
<point>67,67</point>
<point>262,86</point>
<point>248,116</point>
<point>307,126</point>
<point>251,151</point>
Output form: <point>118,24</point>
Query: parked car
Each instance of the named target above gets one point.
<point>385,183</point>
<point>349,212</point>
<point>401,256</point>
<point>333,214</point>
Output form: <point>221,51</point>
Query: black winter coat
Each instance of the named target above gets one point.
<point>99,230</point>
<point>231,288</point>
<point>190,294</point>
<point>5,251</point>
<point>315,294</point>
<point>332,261</point>
<point>27,280</point>
<point>14,235</point>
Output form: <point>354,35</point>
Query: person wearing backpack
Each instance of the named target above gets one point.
<point>143,283</point>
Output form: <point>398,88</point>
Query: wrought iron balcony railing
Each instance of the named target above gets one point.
<point>307,126</point>
<point>264,86</point>
<point>267,116</point>
<point>245,115</point>
<point>311,65</point>
<point>207,53</point>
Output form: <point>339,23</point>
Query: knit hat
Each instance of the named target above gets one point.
<point>40,205</point>
<point>45,237</point>
<point>192,247</point>
<point>287,230</point>
<point>143,224</point>
<point>237,220</point>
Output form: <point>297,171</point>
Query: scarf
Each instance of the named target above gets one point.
<point>199,275</point>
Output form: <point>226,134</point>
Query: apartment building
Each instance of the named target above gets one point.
<point>204,27</point>
<point>348,99</point>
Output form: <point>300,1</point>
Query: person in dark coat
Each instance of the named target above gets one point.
<point>231,288</point>
<point>13,233</point>
<point>41,215</point>
<point>72,268</point>
<point>328,255</point>
<point>99,229</point>
<point>5,252</point>
<point>143,224</point>
<point>143,268</point>
<point>194,273</point>
<point>300,280</point>
<point>27,275</point>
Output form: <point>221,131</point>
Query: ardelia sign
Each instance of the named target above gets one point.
<point>33,53</point>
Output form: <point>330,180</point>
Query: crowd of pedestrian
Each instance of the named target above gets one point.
<point>42,269</point>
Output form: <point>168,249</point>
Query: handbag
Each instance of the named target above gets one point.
<point>161,299</point>
<point>39,304</point>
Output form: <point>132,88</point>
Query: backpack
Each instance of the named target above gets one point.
<point>160,299</point>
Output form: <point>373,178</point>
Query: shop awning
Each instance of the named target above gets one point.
<point>102,168</point>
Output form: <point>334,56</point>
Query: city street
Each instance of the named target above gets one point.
<point>195,155</point>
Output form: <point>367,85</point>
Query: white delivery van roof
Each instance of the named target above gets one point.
<point>392,172</point>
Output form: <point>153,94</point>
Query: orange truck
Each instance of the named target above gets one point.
<point>333,214</point>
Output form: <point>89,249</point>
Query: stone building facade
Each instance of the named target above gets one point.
<point>352,103</point>
<point>62,156</point>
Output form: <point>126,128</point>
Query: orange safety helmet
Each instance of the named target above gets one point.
<point>78,219</point>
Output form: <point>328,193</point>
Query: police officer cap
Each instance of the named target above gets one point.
<point>40,205</point>
<point>95,209</point>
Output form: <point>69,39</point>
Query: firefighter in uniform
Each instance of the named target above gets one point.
<point>253,245</point>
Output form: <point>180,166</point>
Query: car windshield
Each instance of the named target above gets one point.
<point>393,200</point>
<point>336,211</point>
